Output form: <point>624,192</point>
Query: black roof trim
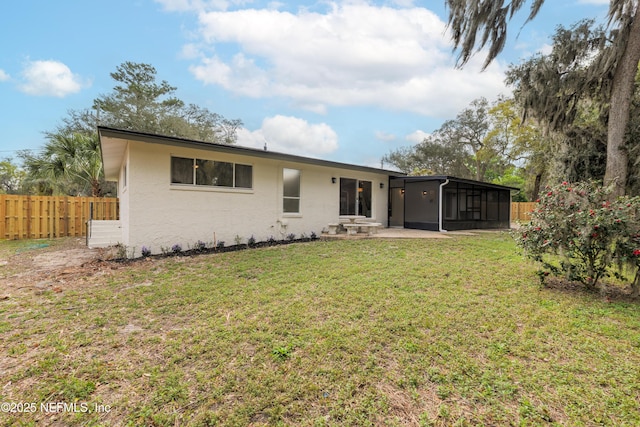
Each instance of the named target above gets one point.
<point>443,178</point>
<point>232,149</point>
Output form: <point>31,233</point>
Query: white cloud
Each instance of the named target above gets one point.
<point>50,78</point>
<point>190,51</point>
<point>193,5</point>
<point>595,2</point>
<point>4,76</point>
<point>545,49</point>
<point>199,5</point>
<point>403,3</point>
<point>353,54</point>
<point>417,136</point>
<point>384,136</point>
<point>291,135</point>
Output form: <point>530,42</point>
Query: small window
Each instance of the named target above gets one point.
<point>209,172</point>
<point>244,176</point>
<point>291,190</point>
<point>181,170</point>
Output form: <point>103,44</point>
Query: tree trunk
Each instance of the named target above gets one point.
<point>621,93</point>
<point>635,286</point>
<point>536,186</point>
<point>96,191</point>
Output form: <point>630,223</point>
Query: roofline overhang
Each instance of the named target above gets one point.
<point>443,178</point>
<point>106,133</point>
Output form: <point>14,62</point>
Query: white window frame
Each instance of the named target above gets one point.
<point>204,187</point>
<point>298,197</point>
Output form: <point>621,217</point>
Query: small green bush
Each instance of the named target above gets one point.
<point>282,353</point>
<point>200,246</point>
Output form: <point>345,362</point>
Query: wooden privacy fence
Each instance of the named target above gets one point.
<point>521,211</point>
<point>37,217</point>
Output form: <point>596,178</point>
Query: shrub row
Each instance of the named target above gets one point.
<point>201,247</point>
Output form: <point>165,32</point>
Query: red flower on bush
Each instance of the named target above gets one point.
<point>636,252</point>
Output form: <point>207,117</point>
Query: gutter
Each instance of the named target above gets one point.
<point>441,207</point>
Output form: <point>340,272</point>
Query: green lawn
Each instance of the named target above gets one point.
<point>366,332</point>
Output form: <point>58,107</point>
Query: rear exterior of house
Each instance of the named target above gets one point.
<point>175,191</point>
<point>446,203</point>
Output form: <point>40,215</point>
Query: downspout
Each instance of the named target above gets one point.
<point>441,207</point>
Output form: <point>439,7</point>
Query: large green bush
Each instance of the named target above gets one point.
<point>578,232</point>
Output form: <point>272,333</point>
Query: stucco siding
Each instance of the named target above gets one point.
<point>123,197</point>
<point>159,214</point>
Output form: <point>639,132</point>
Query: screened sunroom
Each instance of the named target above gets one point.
<point>448,203</point>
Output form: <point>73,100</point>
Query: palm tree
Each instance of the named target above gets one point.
<point>69,164</point>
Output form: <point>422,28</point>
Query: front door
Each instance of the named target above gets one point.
<point>397,207</point>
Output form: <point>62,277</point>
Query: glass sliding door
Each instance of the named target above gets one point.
<point>348,196</point>
<point>364,198</point>
<point>355,197</point>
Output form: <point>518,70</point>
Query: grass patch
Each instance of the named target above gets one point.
<point>364,332</point>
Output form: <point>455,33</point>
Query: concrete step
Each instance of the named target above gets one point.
<point>104,234</point>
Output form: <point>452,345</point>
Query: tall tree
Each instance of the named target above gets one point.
<point>470,18</point>
<point>522,143</point>
<point>469,131</point>
<point>70,162</point>
<point>11,176</point>
<point>558,89</point>
<point>433,156</point>
<point>476,144</point>
<point>138,102</point>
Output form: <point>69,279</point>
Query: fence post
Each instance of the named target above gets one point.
<point>3,217</point>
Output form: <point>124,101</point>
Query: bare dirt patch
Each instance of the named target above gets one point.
<point>608,291</point>
<point>53,265</point>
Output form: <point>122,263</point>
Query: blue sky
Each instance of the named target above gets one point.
<point>345,81</point>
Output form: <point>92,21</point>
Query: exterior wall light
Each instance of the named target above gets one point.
<point>333,179</point>
<point>382,185</point>
<point>424,192</point>
<point>402,191</point>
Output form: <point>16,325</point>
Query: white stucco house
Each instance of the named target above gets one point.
<point>178,191</point>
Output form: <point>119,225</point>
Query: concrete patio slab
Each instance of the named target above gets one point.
<point>406,233</point>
